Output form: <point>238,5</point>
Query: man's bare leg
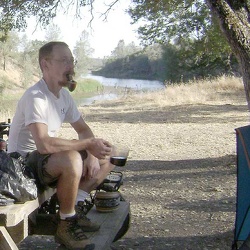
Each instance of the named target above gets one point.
<point>90,184</point>
<point>68,166</point>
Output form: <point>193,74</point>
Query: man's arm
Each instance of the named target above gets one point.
<point>85,133</point>
<point>82,129</point>
<point>92,165</point>
<point>48,145</point>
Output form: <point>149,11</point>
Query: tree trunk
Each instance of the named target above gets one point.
<point>4,63</point>
<point>234,19</point>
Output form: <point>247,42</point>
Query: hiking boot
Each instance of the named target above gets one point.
<point>83,221</point>
<point>70,234</point>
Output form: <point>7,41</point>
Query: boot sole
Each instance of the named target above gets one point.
<point>90,246</point>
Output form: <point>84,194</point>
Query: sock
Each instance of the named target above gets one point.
<point>81,195</point>
<point>64,216</point>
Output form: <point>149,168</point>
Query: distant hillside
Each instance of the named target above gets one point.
<point>11,78</point>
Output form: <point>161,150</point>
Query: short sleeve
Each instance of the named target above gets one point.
<point>36,109</point>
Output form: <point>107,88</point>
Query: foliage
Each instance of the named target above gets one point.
<point>8,48</point>
<point>27,58</point>
<point>133,66</point>
<point>127,61</point>
<point>171,63</point>
<point>27,72</point>
<point>29,49</point>
<point>3,84</point>
<point>189,27</point>
<point>169,20</point>
<point>82,52</point>
<point>53,33</point>
<point>25,53</point>
<point>14,13</point>
<point>122,50</point>
<point>182,63</point>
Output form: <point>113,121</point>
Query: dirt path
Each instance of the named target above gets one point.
<point>181,174</point>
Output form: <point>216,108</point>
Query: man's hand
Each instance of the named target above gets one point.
<point>99,148</point>
<point>91,167</point>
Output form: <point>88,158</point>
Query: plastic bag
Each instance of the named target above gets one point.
<point>14,183</point>
<point>4,201</point>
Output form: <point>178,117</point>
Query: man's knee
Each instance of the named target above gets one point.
<point>67,162</point>
<point>106,166</point>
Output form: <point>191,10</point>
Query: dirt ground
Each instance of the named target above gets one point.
<point>180,177</point>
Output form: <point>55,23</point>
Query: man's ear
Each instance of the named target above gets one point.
<point>44,64</point>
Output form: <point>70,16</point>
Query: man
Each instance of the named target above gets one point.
<point>56,161</point>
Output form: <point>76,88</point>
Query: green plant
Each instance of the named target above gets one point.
<point>86,86</point>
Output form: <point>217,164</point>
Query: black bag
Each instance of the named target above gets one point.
<point>14,183</point>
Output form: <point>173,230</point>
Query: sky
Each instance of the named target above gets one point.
<point>104,35</point>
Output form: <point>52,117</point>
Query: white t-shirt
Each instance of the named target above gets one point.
<point>40,105</point>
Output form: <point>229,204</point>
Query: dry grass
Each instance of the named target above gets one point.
<point>193,92</point>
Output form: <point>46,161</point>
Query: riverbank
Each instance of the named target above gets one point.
<point>90,89</point>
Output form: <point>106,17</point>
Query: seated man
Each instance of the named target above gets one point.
<point>74,167</point>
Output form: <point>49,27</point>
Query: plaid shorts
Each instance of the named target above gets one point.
<point>36,169</point>
<point>36,166</point>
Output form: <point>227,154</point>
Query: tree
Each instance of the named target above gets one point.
<point>82,52</point>
<point>234,21</point>
<point>53,33</point>
<point>8,47</point>
<point>119,51</point>
<point>122,50</point>
<point>27,58</point>
<point>14,13</point>
<point>27,72</point>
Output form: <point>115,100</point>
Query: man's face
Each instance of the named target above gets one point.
<point>61,63</point>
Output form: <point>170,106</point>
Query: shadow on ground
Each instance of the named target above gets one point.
<point>202,113</point>
<point>219,242</point>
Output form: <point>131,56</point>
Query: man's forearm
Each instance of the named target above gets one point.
<point>53,145</point>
